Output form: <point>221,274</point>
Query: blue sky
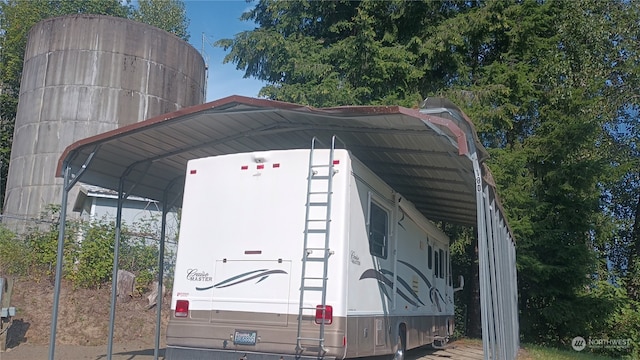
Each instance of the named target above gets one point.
<point>219,19</point>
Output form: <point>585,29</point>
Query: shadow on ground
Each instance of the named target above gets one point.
<point>132,355</point>
<point>16,333</point>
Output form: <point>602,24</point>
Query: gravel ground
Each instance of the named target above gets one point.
<point>460,350</point>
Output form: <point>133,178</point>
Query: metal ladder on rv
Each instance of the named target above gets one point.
<point>316,243</point>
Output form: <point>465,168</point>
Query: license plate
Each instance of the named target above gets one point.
<point>245,337</point>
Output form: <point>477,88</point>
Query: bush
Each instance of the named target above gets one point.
<point>88,251</point>
<point>14,254</point>
<point>94,261</point>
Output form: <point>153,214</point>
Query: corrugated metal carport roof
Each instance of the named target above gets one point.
<point>426,157</point>
<point>430,155</point>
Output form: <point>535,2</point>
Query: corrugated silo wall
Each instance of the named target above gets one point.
<point>84,75</point>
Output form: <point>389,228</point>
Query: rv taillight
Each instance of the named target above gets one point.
<point>327,319</point>
<point>182,308</point>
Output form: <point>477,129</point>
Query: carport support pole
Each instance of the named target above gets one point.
<point>59,259</point>
<point>114,279</point>
<point>163,232</point>
<point>483,264</point>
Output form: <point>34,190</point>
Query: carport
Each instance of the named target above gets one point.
<point>430,155</point>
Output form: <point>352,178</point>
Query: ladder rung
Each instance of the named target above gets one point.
<point>320,177</point>
<point>310,339</point>
<point>313,288</point>
<point>320,166</point>
<point>319,193</point>
<point>316,231</point>
<point>314,278</point>
<point>316,259</point>
<point>319,220</point>
<point>318,203</point>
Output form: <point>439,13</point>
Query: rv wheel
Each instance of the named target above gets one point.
<point>401,346</point>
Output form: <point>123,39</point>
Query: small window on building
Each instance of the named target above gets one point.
<point>436,259</point>
<point>430,257</point>
<point>442,263</point>
<point>378,231</point>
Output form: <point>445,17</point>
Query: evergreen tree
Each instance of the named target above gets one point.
<point>169,15</point>
<point>552,87</point>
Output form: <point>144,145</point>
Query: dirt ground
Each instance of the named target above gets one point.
<point>83,324</point>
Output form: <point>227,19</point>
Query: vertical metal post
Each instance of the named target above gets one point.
<point>503,287</point>
<point>514,295</point>
<point>156,348</point>
<point>494,262</point>
<point>59,260</point>
<point>114,279</point>
<point>483,265</point>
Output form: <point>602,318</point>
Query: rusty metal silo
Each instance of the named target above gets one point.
<point>84,75</point>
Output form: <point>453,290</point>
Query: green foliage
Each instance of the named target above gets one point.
<point>42,242</point>
<point>88,251</point>
<point>14,254</point>
<point>94,261</point>
<point>553,89</point>
<point>169,15</point>
<point>604,311</point>
<point>331,53</point>
<point>140,254</point>
<point>624,322</point>
<point>463,262</point>
<point>537,352</point>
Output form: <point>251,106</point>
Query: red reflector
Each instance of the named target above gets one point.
<point>253,252</point>
<point>327,319</point>
<point>276,166</point>
<point>244,167</point>
<point>344,341</point>
<point>336,162</point>
<point>182,308</point>
<point>192,172</point>
<point>260,167</point>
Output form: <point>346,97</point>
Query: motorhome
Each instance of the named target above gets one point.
<point>305,253</point>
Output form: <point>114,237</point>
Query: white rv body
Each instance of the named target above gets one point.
<point>240,259</point>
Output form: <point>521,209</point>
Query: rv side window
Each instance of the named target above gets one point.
<point>430,257</point>
<point>442,261</point>
<point>437,263</point>
<point>378,235</point>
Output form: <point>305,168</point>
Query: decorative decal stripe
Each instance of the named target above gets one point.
<point>381,276</point>
<point>373,274</point>
<point>405,285</point>
<point>204,288</point>
<point>436,301</point>
<point>238,277</point>
<point>422,276</point>
<point>266,273</point>
<point>260,274</point>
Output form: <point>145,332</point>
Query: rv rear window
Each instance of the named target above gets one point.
<point>378,231</point>
<point>430,257</point>
<point>437,263</point>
